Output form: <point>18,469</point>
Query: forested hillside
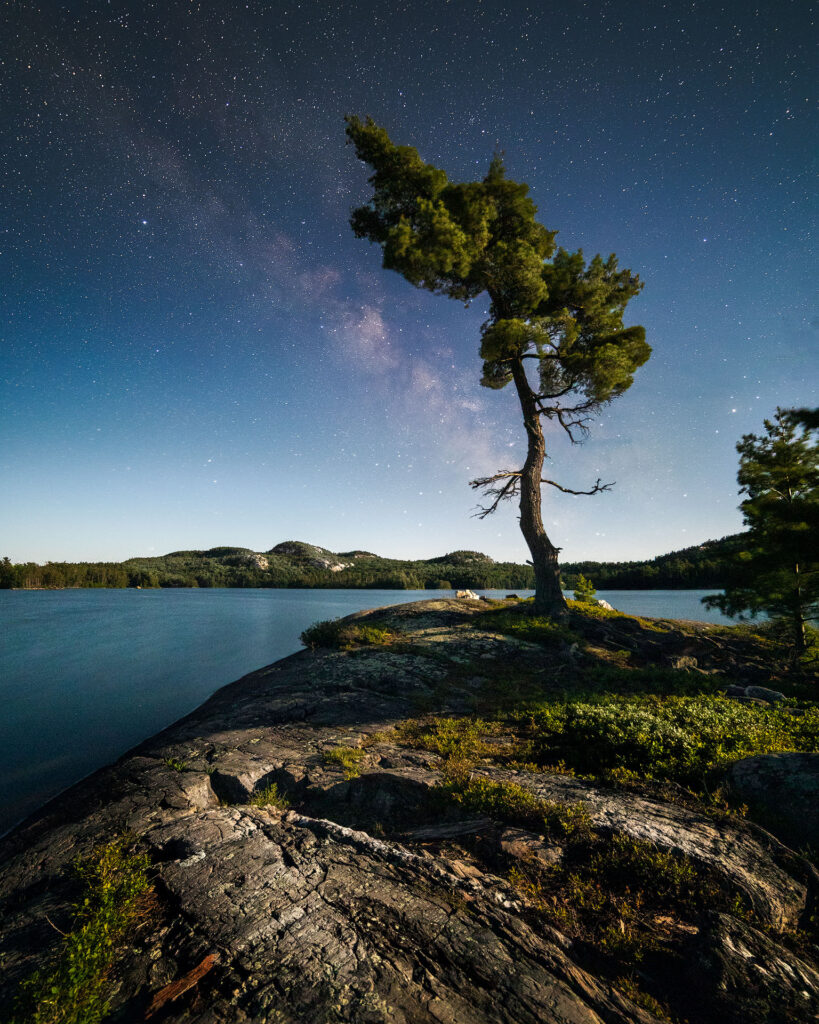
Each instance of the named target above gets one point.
<point>291,564</point>
<point>296,564</point>
<point>704,565</point>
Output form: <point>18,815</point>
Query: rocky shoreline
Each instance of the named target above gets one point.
<point>306,866</point>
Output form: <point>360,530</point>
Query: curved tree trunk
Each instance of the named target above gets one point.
<point>549,599</point>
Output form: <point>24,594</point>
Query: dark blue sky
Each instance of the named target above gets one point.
<point>197,351</point>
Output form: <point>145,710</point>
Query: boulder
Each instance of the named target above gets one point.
<point>763,693</point>
<point>783,789</point>
<point>604,604</point>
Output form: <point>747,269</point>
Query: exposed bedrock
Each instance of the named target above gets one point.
<point>306,869</point>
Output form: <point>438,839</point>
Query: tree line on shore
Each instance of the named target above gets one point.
<point>707,565</point>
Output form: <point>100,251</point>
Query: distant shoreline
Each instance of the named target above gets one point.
<point>606,589</point>
<point>298,565</point>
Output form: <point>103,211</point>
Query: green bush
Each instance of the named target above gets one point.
<point>335,633</point>
<point>685,739</point>
<point>458,738</point>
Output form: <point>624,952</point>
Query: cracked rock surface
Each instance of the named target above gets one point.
<point>336,909</point>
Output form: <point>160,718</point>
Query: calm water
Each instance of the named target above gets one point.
<point>87,674</point>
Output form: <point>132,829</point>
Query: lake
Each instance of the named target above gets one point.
<point>87,674</point>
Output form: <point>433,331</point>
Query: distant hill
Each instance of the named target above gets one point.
<point>294,563</point>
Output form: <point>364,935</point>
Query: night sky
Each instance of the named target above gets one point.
<point>196,350</point>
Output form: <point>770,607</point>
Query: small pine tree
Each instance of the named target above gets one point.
<point>584,590</point>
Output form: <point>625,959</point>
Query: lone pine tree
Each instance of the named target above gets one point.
<point>555,328</point>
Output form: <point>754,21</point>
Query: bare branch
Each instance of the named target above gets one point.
<point>54,926</point>
<point>598,487</point>
<point>509,489</point>
<point>581,424</point>
<point>551,395</point>
<point>505,484</point>
<point>502,474</point>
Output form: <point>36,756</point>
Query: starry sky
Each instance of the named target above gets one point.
<point>196,351</point>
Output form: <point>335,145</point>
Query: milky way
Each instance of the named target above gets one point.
<point>197,351</point>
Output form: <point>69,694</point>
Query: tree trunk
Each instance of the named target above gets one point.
<point>549,599</point>
<point>800,640</point>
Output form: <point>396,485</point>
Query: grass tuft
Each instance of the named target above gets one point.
<point>509,802</point>
<point>347,758</point>
<point>269,797</point>
<point>519,622</point>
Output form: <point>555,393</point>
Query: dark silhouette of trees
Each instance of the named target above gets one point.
<point>555,329</point>
<point>779,564</point>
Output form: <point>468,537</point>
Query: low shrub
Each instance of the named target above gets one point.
<point>684,739</point>
<point>335,633</point>
<point>458,738</point>
<point>617,895</point>
<point>74,988</point>
<point>509,802</point>
<point>347,758</point>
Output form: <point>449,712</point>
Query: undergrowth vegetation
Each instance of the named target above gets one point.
<point>336,633</point>
<point>269,796</point>
<point>521,624</point>
<point>689,740</point>
<point>623,899</point>
<point>511,803</point>
<point>74,987</point>
<point>347,758</point>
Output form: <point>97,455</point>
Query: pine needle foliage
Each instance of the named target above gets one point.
<point>555,328</point>
<point>779,563</point>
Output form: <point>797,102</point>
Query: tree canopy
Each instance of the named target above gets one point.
<point>555,327</point>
